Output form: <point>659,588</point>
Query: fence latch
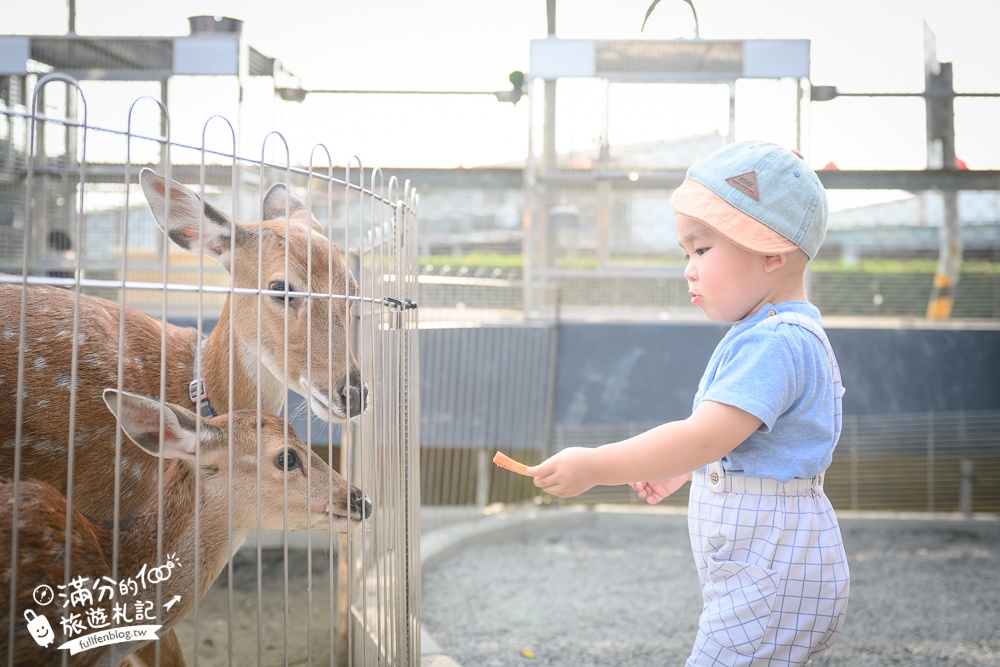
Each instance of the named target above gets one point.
<point>396,310</point>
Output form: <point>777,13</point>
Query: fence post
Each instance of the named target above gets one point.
<point>854,462</point>
<point>930,461</point>
<point>341,656</point>
<point>965,490</point>
<point>482,478</point>
<point>344,622</point>
<point>553,370</point>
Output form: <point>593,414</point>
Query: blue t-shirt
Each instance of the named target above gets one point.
<point>780,373</point>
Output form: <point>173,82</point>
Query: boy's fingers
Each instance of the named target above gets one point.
<point>540,470</point>
<point>537,477</point>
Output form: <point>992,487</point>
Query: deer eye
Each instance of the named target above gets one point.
<point>287,461</point>
<point>280,286</point>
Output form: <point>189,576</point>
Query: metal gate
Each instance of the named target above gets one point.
<point>136,274</point>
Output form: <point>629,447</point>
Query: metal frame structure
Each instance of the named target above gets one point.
<point>549,181</point>
<point>214,47</point>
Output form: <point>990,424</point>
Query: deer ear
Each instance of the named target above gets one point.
<point>139,417</point>
<point>194,225</point>
<point>275,203</point>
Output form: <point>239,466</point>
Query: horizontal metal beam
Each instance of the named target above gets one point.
<point>115,173</point>
<point>931,179</point>
<point>512,178</point>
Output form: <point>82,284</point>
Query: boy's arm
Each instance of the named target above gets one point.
<point>669,450</point>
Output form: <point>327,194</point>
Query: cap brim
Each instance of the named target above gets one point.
<point>699,202</point>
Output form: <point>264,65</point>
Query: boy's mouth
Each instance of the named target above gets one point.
<point>695,298</point>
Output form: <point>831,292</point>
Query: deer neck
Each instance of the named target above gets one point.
<point>138,544</point>
<point>215,370</point>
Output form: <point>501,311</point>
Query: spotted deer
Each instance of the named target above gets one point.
<point>297,490</point>
<point>315,359</point>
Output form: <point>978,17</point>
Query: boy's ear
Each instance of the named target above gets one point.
<point>773,262</point>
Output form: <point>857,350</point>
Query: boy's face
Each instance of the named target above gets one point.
<point>724,280</point>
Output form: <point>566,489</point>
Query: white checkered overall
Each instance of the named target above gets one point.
<point>771,561</point>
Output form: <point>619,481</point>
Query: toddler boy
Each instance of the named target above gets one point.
<point>766,417</point>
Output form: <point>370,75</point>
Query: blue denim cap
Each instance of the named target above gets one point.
<point>761,196</point>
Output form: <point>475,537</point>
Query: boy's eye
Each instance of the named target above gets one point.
<point>701,251</point>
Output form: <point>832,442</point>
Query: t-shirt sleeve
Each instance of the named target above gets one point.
<point>757,376</point>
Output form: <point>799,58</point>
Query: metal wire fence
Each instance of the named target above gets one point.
<point>489,386</point>
<point>921,462</point>
<point>308,311</point>
<point>925,462</point>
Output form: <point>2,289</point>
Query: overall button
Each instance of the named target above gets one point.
<point>714,477</point>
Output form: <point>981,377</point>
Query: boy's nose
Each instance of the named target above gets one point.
<point>689,272</point>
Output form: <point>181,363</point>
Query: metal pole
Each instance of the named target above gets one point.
<point>483,475</point>
<point>940,97</point>
<point>965,490</point>
<point>930,461</point>
<point>38,217</point>
<point>604,188</point>
<point>544,237</point>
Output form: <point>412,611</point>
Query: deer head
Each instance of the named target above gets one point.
<point>285,255</point>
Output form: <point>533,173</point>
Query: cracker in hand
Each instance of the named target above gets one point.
<point>505,461</point>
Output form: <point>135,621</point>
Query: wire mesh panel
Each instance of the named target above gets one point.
<point>488,363</point>
<point>487,389</point>
<point>910,462</point>
<point>200,351</point>
<point>483,390</point>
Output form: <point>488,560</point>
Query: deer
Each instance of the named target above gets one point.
<point>297,490</point>
<point>318,329</point>
<point>317,363</point>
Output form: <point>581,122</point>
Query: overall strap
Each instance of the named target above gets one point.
<point>813,327</point>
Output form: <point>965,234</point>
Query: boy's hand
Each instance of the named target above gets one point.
<point>654,492</point>
<point>567,473</point>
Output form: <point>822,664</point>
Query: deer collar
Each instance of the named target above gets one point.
<point>196,389</point>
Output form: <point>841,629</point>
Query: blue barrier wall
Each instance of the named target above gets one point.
<point>617,372</point>
<point>489,386</point>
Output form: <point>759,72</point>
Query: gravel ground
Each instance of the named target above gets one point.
<point>620,588</point>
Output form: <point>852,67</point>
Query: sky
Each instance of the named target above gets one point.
<point>857,45</point>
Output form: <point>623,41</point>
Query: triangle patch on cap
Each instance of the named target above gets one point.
<point>745,183</point>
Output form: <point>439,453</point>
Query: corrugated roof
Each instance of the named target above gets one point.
<point>154,55</point>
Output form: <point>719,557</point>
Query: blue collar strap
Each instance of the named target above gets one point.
<point>196,389</point>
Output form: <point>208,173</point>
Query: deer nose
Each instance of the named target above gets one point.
<point>355,398</point>
<point>361,504</point>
